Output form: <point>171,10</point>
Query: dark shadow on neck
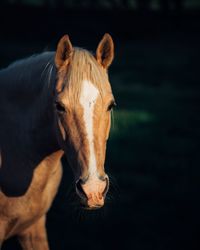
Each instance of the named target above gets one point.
<point>27,127</point>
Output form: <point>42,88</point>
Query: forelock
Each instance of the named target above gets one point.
<point>83,66</point>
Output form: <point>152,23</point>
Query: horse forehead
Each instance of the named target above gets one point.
<point>89,93</point>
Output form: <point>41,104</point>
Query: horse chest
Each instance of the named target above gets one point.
<point>19,213</point>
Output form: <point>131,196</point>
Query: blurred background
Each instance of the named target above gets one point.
<point>153,151</point>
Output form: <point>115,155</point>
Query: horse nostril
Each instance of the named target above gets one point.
<point>107,186</point>
<point>80,190</point>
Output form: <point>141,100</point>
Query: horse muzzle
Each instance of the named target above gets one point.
<point>92,191</point>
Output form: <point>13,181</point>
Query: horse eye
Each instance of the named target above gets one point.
<point>59,107</point>
<point>112,104</point>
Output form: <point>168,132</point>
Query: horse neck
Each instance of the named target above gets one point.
<point>27,127</point>
<point>27,93</point>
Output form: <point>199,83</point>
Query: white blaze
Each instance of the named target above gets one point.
<point>88,99</point>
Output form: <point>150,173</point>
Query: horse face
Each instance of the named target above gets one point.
<point>84,119</point>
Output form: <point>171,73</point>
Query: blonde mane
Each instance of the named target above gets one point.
<point>83,66</point>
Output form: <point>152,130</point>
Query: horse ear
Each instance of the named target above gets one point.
<point>105,51</point>
<point>63,52</point>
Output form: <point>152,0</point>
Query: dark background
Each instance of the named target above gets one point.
<point>153,151</point>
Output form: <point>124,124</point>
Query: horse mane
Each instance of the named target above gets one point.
<point>20,74</point>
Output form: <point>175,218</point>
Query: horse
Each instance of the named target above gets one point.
<point>52,104</point>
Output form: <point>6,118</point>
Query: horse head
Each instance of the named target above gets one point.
<point>83,104</point>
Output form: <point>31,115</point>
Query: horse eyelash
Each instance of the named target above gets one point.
<point>59,107</point>
<point>111,105</point>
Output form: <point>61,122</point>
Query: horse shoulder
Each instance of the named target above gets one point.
<point>20,212</point>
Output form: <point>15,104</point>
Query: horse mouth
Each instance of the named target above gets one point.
<point>84,204</point>
<point>85,207</point>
